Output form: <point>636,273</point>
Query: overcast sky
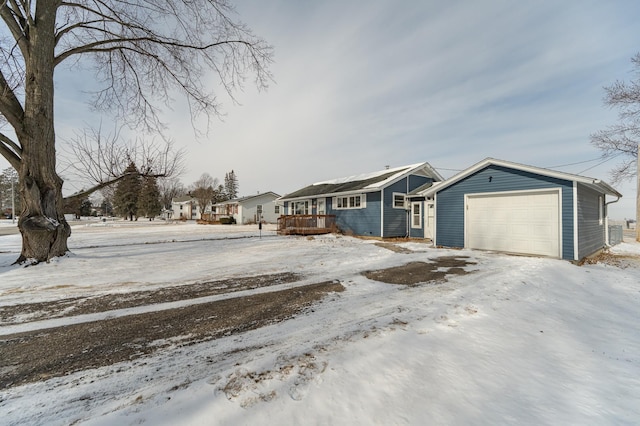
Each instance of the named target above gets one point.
<point>364,84</point>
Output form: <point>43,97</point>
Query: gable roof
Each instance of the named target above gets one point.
<point>240,200</point>
<point>183,199</point>
<point>366,182</point>
<point>596,184</point>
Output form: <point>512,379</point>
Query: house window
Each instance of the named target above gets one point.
<point>600,212</point>
<point>276,209</point>
<point>398,200</point>
<point>300,207</point>
<point>349,202</point>
<point>416,215</point>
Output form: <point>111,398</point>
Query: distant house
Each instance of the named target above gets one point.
<point>185,207</point>
<point>515,208</point>
<point>250,209</point>
<point>371,204</point>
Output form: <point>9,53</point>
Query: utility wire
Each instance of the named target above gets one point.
<point>602,162</point>
<point>573,164</point>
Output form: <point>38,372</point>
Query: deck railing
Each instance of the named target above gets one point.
<point>307,224</point>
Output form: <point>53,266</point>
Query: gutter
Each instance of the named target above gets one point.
<point>606,222</point>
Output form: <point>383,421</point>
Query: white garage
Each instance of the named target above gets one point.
<point>525,222</point>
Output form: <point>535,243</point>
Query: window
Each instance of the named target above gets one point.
<point>349,202</point>
<point>600,215</point>
<point>398,200</point>
<point>416,215</point>
<point>300,207</point>
<point>276,209</point>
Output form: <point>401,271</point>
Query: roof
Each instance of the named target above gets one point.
<point>593,183</point>
<point>366,182</point>
<point>240,200</point>
<point>183,199</point>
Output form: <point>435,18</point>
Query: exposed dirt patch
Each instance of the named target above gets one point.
<point>394,247</point>
<point>617,260</point>
<point>421,272</point>
<point>39,355</point>
<point>88,305</point>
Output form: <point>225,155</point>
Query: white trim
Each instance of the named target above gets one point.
<point>557,190</point>
<point>404,200</point>
<point>435,221</point>
<point>382,213</point>
<point>420,205</point>
<point>334,202</point>
<point>600,185</point>
<point>375,187</point>
<point>291,209</point>
<point>576,247</point>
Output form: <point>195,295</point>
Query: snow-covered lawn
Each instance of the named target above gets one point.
<point>518,341</point>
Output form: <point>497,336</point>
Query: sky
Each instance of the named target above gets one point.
<point>362,85</point>
<point>517,340</point>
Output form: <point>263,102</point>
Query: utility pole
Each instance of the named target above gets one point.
<point>638,194</point>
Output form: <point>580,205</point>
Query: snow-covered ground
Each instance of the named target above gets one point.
<point>518,341</point>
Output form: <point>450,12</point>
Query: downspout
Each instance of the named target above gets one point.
<point>406,217</point>
<point>606,220</point>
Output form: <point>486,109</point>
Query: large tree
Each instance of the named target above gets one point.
<point>149,204</point>
<point>127,193</point>
<point>203,190</point>
<point>9,191</point>
<point>142,51</point>
<point>231,186</point>
<point>169,189</point>
<point>623,138</point>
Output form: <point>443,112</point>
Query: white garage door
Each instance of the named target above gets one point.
<point>523,222</point>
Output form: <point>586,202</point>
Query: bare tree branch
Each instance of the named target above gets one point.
<point>623,137</point>
<point>101,159</point>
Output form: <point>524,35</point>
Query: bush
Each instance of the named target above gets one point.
<point>227,220</point>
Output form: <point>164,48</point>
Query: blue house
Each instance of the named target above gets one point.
<point>514,208</point>
<point>372,204</point>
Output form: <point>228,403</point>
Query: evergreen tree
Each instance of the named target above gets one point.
<point>125,199</point>
<point>8,177</point>
<point>149,199</point>
<point>231,185</point>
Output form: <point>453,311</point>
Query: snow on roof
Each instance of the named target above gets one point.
<point>366,176</point>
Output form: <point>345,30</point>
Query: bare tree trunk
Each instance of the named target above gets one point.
<point>42,224</point>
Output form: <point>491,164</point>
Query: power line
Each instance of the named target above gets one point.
<point>573,164</point>
<point>602,162</point>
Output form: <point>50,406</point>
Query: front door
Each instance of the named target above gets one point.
<point>321,213</point>
<point>429,219</point>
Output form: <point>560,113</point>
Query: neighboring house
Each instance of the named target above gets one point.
<point>372,204</point>
<point>185,207</point>
<point>250,209</point>
<point>514,208</point>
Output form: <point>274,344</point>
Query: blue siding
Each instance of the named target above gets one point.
<point>359,221</point>
<point>417,232</point>
<point>395,220</point>
<point>417,181</point>
<point>591,235</point>
<point>450,202</point>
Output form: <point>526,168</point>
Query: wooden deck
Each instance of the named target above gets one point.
<point>307,224</point>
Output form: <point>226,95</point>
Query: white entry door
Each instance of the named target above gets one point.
<point>321,211</point>
<point>429,217</point>
<point>523,222</point>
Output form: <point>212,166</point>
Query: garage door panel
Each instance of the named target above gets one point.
<point>526,223</point>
